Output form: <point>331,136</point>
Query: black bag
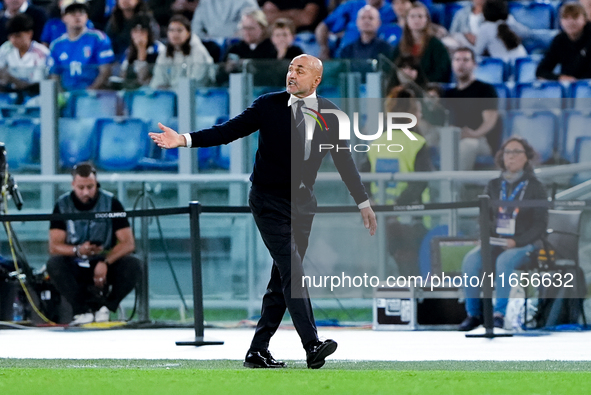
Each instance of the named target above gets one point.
<point>562,305</point>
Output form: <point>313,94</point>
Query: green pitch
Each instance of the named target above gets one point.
<point>100,377</point>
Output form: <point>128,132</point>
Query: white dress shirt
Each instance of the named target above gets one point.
<point>311,102</point>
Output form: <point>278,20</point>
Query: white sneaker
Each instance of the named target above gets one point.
<point>81,319</point>
<point>102,315</point>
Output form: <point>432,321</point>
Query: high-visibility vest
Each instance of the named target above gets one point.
<point>385,161</point>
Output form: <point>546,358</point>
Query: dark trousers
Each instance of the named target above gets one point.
<point>285,226</point>
<point>76,283</point>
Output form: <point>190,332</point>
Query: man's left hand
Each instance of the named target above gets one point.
<point>369,220</point>
<point>100,274</point>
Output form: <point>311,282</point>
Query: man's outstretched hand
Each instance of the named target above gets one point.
<point>369,220</point>
<point>169,138</point>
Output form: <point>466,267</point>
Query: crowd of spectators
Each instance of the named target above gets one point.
<point>104,44</point>
<point>84,44</point>
<point>231,31</point>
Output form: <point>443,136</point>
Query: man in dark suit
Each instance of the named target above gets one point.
<point>282,198</point>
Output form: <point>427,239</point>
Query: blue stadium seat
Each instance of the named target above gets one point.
<point>451,9</point>
<point>538,41</point>
<point>156,158</point>
<point>525,69</point>
<point>580,92</point>
<point>77,140</point>
<point>538,94</point>
<point>575,124</point>
<point>492,70</point>
<point>21,137</point>
<point>535,15</point>
<point>208,158</point>
<point>93,104</point>
<point>151,106</point>
<point>540,128</point>
<point>122,143</point>
<point>211,103</point>
<point>582,155</point>
<point>504,94</point>
<point>215,158</point>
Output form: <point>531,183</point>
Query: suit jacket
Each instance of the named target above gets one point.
<point>279,166</point>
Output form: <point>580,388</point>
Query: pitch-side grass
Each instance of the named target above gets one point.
<point>100,377</point>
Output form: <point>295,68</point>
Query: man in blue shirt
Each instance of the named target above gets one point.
<point>342,20</point>
<point>368,45</point>
<point>82,57</point>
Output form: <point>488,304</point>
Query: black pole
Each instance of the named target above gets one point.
<point>194,211</point>
<point>488,269</point>
<point>143,289</point>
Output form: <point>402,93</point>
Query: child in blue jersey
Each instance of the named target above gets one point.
<point>82,57</point>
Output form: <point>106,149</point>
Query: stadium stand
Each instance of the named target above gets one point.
<point>77,140</point>
<point>492,70</point>
<point>122,143</point>
<point>540,128</point>
<point>21,137</point>
<point>151,106</point>
<point>549,95</point>
<point>93,104</point>
<point>575,125</point>
<point>582,155</point>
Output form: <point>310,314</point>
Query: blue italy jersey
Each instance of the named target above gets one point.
<point>77,62</point>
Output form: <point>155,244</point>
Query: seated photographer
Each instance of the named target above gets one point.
<point>520,227</point>
<point>91,262</point>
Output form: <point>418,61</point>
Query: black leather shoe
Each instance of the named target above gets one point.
<point>272,361</point>
<point>317,353</point>
<point>262,360</point>
<point>470,323</point>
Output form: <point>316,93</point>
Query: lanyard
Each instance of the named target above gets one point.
<point>519,188</point>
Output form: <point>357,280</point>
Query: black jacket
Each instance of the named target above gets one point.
<point>265,50</point>
<point>279,166</point>
<point>531,222</point>
<point>574,57</point>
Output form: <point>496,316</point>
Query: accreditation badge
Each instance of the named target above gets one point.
<point>505,224</point>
